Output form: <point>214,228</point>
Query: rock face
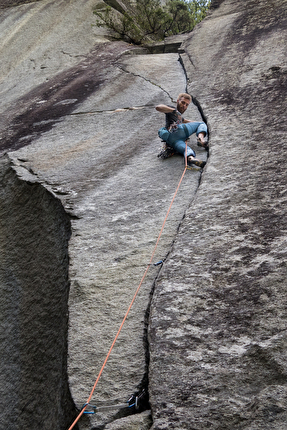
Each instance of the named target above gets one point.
<point>218,321</point>
<point>34,305</point>
<point>83,198</point>
<point>79,122</point>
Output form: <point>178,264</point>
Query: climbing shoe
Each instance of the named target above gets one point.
<point>166,152</point>
<point>202,144</point>
<point>196,162</point>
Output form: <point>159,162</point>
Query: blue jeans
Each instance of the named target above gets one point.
<point>177,138</point>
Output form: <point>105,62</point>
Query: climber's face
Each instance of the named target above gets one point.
<point>182,104</point>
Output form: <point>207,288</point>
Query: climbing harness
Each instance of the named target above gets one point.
<point>85,407</point>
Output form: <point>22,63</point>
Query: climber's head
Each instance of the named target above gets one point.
<point>183,102</point>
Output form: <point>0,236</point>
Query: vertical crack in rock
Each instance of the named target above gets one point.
<point>34,283</point>
<point>181,61</point>
<point>182,51</point>
<point>144,385</point>
<point>194,99</point>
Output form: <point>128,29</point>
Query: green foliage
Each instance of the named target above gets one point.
<point>148,20</point>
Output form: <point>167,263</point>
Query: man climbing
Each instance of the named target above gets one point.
<point>178,129</point>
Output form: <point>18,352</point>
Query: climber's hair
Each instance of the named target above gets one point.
<point>185,96</point>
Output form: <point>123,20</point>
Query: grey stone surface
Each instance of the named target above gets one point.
<point>218,320</point>
<point>102,163</point>
<point>83,129</point>
<point>41,39</point>
<point>141,421</point>
<point>34,268</point>
<point>79,169</point>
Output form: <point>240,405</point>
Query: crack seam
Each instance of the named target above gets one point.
<point>147,80</point>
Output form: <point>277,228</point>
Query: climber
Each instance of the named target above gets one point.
<point>178,129</point>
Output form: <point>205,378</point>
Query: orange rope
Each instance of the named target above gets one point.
<point>129,308</point>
